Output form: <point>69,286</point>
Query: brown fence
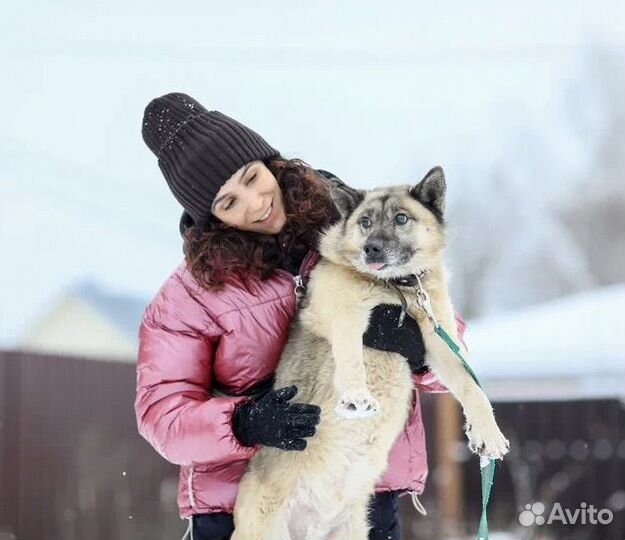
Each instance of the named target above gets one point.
<point>569,452</point>
<point>72,466</point>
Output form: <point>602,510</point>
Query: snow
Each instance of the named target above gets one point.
<point>577,339</point>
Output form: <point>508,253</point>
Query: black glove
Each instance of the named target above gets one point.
<point>384,335</point>
<point>272,421</point>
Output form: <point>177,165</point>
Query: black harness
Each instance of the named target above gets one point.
<point>411,280</point>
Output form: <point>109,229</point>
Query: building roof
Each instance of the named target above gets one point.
<point>123,311</point>
<point>578,340</point>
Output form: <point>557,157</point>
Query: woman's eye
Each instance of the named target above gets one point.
<point>365,222</point>
<point>250,180</point>
<point>229,205</point>
<point>401,219</point>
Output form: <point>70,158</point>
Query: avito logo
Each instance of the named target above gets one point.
<point>586,514</point>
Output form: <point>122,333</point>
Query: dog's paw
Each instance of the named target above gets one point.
<point>487,440</point>
<point>357,404</point>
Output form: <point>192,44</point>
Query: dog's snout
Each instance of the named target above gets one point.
<point>374,248</point>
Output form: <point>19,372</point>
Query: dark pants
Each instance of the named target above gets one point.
<point>382,516</point>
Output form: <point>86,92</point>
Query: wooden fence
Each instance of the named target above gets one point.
<point>73,467</point>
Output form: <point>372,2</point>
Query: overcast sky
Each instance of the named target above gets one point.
<point>377,92</point>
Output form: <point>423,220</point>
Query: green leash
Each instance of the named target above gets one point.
<point>487,465</point>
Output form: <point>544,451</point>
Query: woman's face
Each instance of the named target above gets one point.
<point>251,200</point>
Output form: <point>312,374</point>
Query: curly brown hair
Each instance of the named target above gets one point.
<point>215,251</point>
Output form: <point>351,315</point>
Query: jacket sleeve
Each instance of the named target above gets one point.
<point>429,382</point>
<point>173,408</point>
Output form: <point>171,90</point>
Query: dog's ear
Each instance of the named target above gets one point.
<point>346,199</point>
<point>431,192</point>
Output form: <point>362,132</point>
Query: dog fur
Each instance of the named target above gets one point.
<point>365,395</point>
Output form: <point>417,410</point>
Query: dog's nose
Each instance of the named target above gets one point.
<point>374,248</point>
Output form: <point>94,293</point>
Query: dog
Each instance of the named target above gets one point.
<point>323,492</point>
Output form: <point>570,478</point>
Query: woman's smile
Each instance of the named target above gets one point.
<point>266,214</point>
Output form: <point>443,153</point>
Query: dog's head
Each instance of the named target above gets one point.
<point>389,232</point>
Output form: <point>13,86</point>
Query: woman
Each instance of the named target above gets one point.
<point>211,338</point>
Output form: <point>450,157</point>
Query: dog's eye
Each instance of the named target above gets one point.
<point>401,219</point>
<point>365,222</point>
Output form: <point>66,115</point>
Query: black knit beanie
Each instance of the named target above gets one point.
<point>198,150</point>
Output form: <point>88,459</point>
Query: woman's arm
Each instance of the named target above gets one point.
<point>174,410</point>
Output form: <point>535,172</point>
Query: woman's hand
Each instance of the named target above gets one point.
<point>272,421</point>
<point>384,334</point>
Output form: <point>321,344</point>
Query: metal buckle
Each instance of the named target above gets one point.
<point>423,299</point>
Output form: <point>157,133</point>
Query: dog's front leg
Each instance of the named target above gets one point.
<point>350,376</point>
<point>484,434</point>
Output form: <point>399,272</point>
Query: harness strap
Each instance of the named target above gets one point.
<point>411,280</point>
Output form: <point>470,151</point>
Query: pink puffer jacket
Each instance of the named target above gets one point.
<point>190,339</point>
